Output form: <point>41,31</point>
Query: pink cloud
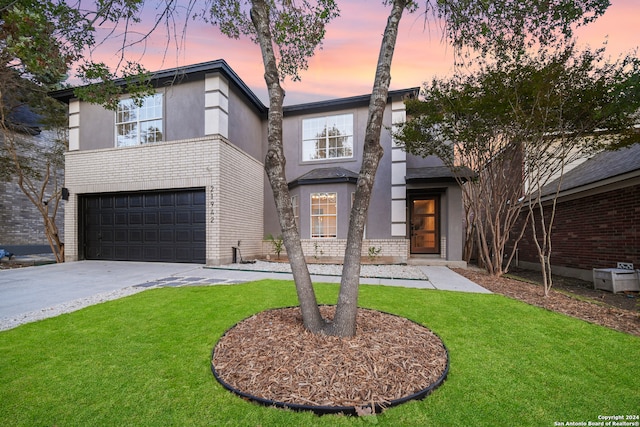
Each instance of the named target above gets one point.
<point>345,66</point>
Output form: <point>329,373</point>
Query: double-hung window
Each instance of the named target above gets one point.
<point>324,215</point>
<point>329,137</point>
<point>139,124</point>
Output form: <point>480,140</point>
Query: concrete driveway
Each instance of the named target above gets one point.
<point>37,289</point>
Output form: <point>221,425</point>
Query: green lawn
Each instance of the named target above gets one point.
<point>144,361</point>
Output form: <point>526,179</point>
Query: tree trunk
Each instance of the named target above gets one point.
<point>37,194</point>
<point>344,323</point>
<point>275,168</point>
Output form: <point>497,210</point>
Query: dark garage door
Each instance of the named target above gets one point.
<point>166,226</point>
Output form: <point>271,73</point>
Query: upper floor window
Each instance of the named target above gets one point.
<point>324,215</point>
<point>328,137</point>
<point>139,124</point>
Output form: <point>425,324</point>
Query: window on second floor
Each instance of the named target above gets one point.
<point>139,124</point>
<point>324,215</point>
<point>329,137</point>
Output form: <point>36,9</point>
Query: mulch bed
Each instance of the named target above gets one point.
<point>272,357</point>
<point>592,311</point>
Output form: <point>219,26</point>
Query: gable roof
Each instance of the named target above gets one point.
<point>602,166</point>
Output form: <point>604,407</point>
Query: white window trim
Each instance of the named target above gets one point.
<point>138,122</point>
<point>328,159</point>
<point>312,215</point>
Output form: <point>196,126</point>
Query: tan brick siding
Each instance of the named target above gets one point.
<point>392,250</point>
<point>240,203</point>
<point>232,181</point>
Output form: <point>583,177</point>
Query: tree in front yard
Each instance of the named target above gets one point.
<point>41,41</point>
<point>518,122</point>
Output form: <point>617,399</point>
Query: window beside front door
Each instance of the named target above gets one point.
<point>329,137</point>
<point>324,215</point>
<point>425,236</point>
<point>139,124</point>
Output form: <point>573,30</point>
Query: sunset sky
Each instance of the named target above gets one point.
<point>346,64</point>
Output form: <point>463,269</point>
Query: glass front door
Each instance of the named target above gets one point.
<point>425,237</point>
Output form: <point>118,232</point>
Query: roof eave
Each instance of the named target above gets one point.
<point>344,103</point>
<point>337,180</point>
<point>181,74</point>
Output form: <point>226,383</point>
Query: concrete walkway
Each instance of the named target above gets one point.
<point>38,288</point>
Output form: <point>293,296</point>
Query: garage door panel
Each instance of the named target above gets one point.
<point>120,218</point>
<point>199,253</point>
<point>183,254</point>
<point>151,218</point>
<point>151,236</point>
<point>135,218</point>
<point>183,217</point>
<point>166,218</point>
<point>154,226</point>
<point>199,199</point>
<point>151,200</point>
<point>165,236</point>
<point>135,236</point>
<point>183,236</point>
<point>105,203</point>
<point>167,199</point>
<point>119,236</point>
<point>151,252</point>
<point>106,219</point>
<point>198,217</point>
<point>135,201</point>
<point>183,199</point>
<point>130,252</point>
<point>121,201</point>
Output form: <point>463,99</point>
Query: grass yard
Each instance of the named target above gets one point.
<point>145,361</point>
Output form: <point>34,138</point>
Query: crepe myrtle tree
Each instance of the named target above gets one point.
<point>517,123</point>
<point>41,42</point>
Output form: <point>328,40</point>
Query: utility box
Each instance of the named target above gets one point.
<point>615,279</point>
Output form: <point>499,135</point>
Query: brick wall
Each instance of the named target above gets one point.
<point>392,250</point>
<point>240,206</point>
<point>232,182</point>
<point>20,221</point>
<point>593,232</point>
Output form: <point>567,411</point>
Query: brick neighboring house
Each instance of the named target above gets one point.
<point>182,178</point>
<point>597,221</point>
<point>21,224</point>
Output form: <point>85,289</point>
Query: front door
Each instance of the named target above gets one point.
<point>425,238</point>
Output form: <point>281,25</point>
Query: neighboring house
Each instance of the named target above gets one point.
<point>597,222</point>
<point>182,179</point>
<point>21,224</point>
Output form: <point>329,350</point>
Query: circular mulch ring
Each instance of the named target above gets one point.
<point>271,359</point>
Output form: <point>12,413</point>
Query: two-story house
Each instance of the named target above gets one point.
<point>181,177</point>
